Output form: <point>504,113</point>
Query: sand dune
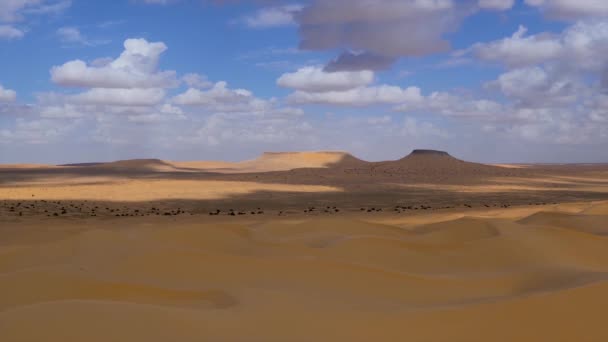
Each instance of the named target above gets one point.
<point>537,275</point>
<point>435,162</point>
<point>317,246</point>
<point>269,161</point>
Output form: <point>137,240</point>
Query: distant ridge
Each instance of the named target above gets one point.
<point>418,165</point>
<point>128,165</point>
<point>424,164</point>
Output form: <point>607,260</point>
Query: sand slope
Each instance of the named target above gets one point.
<point>313,246</point>
<point>528,274</point>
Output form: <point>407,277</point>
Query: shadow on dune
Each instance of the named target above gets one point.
<point>360,183</point>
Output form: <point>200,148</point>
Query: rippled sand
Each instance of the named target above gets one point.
<point>425,248</point>
<point>518,274</point>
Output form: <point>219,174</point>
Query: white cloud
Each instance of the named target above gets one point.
<point>47,7</point>
<point>314,79</point>
<point>246,129</point>
<point>37,131</point>
<point>163,113</point>
<point>221,99</point>
<point>361,96</point>
<point>197,81</point>
<point>72,35</point>
<point>9,32</point>
<point>500,5</point>
<point>572,9</point>
<point>534,86</point>
<point>65,111</point>
<point>137,67</point>
<point>219,94</point>
<point>7,95</point>
<point>343,88</point>
<point>379,120</point>
<point>554,87</point>
<point>414,128</point>
<point>272,16</point>
<point>10,10</point>
<point>119,97</point>
<point>14,10</point>
<point>451,105</point>
<point>581,46</point>
<point>519,50</point>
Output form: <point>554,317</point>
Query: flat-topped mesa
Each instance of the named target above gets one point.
<point>429,153</point>
<point>431,163</point>
<point>432,156</point>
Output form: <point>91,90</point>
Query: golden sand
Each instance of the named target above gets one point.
<point>490,271</point>
<point>526,275</point>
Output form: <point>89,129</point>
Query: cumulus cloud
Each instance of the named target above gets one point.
<point>361,96</point>
<point>580,46</point>
<point>125,100</point>
<point>220,98</point>
<point>553,85</point>
<point>217,95</point>
<point>7,95</point>
<point>535,86</point>
<point>315,79</point>
<point>130,86</point>
<point>343,88</point>
<point>519,50</point>
<point>137,67</point>
<point>120,97</point>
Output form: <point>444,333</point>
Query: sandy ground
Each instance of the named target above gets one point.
<point>112,254</point>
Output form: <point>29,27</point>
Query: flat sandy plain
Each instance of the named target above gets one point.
<point>304,247</point>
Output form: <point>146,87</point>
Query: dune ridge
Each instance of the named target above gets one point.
<point>525,275</point>
<point>285,161</point>
<point>308,246</point>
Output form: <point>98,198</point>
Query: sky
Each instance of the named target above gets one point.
<point>486,80</point>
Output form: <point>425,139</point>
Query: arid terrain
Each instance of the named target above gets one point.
<point>315,246</point>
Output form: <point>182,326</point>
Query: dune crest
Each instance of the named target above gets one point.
<point>304,246</point>
<point>349,278</point>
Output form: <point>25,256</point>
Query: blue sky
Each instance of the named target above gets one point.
<point>487,80</point>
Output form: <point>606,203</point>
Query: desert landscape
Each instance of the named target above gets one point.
<point>303,170</point>
<point>304,246</point>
